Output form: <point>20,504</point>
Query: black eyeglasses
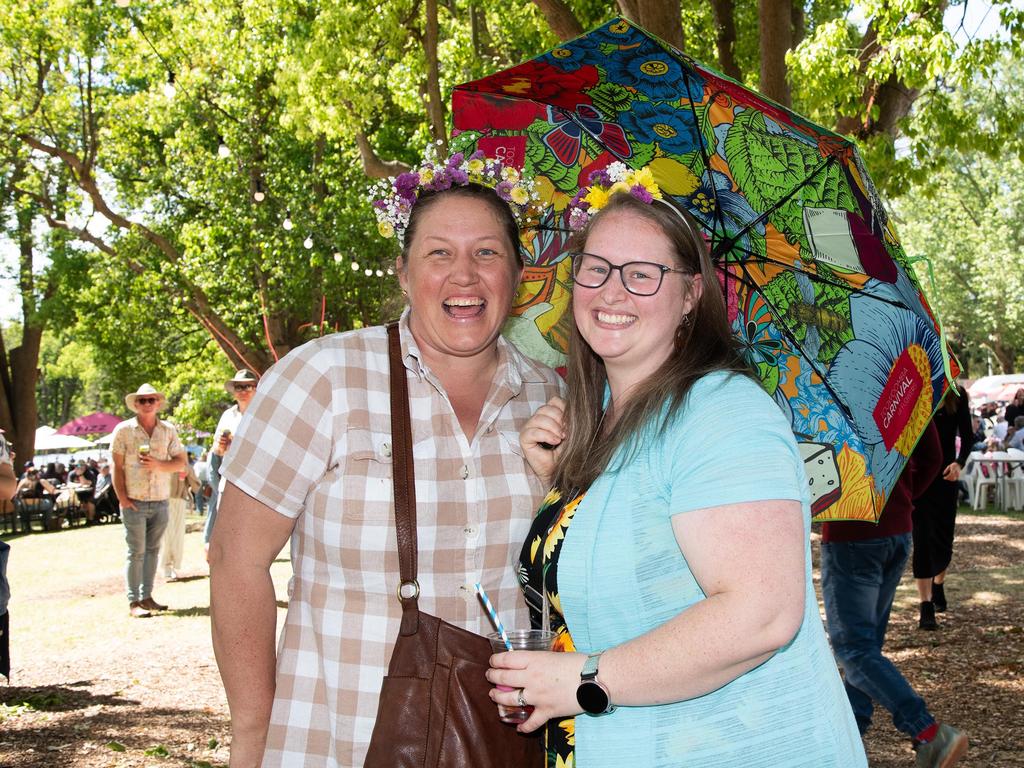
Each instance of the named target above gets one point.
<point>244,387</point>
<point>147,400</point>
<point>641,278</point>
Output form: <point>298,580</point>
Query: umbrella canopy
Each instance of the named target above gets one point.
<point>95,423</point>
<point>48,440</point>
<point>821,296</point>
<point>1000,387</point>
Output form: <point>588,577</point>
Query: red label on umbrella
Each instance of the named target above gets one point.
<point>896,404</point>
<point>511,150</point>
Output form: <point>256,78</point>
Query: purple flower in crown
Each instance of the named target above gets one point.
<point>601,178</point>
<point>478,155</point>
<point>578,218</point>
<point>641,193</point>
<point>456,160</point>
<point>504,190</point>
<point>458,176</point>
<point>405,185</point>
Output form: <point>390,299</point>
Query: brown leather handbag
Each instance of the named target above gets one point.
<point>434,709</point>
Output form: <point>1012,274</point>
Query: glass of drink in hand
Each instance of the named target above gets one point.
<point>522,640</point>
<point>144,450</point>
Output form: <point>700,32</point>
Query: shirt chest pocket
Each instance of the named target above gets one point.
<point>366,479</point>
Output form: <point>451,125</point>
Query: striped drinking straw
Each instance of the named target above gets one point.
<point>494,615</point>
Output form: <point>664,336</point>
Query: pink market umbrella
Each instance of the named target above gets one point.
<point>95,423</point>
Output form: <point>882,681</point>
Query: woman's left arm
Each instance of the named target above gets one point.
<point>749,561</point>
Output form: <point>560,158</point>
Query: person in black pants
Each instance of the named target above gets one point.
<point>935,509</point>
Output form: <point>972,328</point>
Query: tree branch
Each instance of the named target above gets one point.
<point>560,18</point>
<point>373,166</point>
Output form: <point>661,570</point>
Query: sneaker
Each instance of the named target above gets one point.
<point>927,620</point>
<point>938,598</point>
<point>946,749</point>
<point>138,611</point>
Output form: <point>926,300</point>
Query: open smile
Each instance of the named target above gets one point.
<point>464,307</point>
<point>614,319</point>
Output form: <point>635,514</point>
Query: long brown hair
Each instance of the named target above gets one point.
<point>703,344</point>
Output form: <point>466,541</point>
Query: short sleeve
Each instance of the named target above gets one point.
<point>119,444</point>
<point>284,443</point>
<point>730,444</point>
<point>174,447</point>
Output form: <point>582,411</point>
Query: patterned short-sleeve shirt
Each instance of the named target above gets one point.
<point>315,444</point>
<point>145,484</point>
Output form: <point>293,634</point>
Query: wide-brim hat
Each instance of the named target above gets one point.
<point>242,376</point>
<point>146,390</point>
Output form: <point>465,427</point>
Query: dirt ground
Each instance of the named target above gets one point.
<point>92,687</point>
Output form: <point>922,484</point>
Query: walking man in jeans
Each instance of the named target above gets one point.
<point>861,566</point>
<point>146,452</point>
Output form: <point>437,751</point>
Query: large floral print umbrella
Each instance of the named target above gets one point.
<point>821,296</point>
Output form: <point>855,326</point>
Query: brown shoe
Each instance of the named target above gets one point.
<point>138,611</point>
<point>152,605</point>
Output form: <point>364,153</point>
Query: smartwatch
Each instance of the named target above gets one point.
<point>592,695</point>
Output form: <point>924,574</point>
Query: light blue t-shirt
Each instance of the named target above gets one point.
<point>621,574</point>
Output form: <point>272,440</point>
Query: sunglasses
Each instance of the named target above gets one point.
<point>244,387</point>
<point>147,400</point>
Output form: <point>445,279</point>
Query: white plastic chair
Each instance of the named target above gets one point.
<point>984,478</point>
<point>1014,480</point>
<point>969,476</point>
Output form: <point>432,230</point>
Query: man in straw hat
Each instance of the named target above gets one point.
<point>242,386</point>
<point>146,451</point>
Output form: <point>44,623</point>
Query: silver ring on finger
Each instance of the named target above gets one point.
<point>520,698</point>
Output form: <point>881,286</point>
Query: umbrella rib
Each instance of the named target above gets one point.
<point>797,346</point>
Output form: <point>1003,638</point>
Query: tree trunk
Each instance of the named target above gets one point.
<point>24,359</point>
<point>658,17</point>
<point>725,37</point>
<point>776,28</point>
<point>435,104</point>
<point>560,18</point>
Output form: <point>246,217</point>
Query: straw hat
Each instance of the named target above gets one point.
<point>146,390</point>
<point>242,376</point>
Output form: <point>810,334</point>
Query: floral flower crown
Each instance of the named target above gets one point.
<point>394,198</point>
<point>616,177</point>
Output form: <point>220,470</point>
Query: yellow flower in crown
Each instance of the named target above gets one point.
<point>394,198</point>
<point>604,183</point>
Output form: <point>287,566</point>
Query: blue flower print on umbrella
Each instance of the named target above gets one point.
<point>884,399</point>
<point>656,73</point>
<point>724,211</point>
<point>672,128</point>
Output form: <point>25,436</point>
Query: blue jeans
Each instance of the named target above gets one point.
<point>143,529</point>
<point>858,584</point>
<point>214,500</point>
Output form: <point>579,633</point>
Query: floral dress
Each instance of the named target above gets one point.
<point>538,568</point>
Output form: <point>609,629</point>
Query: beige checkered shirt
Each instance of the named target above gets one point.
<point>315,444</point>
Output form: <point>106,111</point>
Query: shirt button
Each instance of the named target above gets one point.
<point>470,531</point>
<point>386,449</point>
<point>464,472</point>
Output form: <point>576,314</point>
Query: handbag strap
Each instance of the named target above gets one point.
<point>404,482</point>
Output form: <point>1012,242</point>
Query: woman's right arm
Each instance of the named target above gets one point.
<point>541,436</point>
<point>243,611</point>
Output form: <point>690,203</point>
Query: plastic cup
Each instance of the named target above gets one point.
<point>522,640</point>
<point>144,449</point>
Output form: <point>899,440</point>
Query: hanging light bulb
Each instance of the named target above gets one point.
<point>169,88</point>
<point>338,257</point>
<point>390,271</point>
<point>223,151</point>
<point>259,195</point>
<point>368,272</point>
<point>379,273</point>
<point>287,223</point>
<point>355,266</point>
<point>308,242</point>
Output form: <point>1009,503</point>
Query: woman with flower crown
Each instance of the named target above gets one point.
<point>674,564</point>
<point>311,460</point>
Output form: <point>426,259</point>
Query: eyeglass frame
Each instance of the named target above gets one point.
<point>247,387</point>
<point>146,400</point>
<point>620,267</point>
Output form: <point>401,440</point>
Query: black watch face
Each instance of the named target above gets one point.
<point>592,698</point>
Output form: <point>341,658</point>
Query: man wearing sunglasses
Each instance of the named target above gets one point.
<point>242,387</point>
<point>146,452</point>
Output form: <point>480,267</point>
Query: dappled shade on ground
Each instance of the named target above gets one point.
<point>92,687</point>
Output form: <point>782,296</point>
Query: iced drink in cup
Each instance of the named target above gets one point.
<point>522,640</point>
<point>143,451</point>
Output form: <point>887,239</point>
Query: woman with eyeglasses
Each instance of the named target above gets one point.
<point>673,564</point>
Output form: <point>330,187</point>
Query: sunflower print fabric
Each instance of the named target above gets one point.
<point>538,568</point>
